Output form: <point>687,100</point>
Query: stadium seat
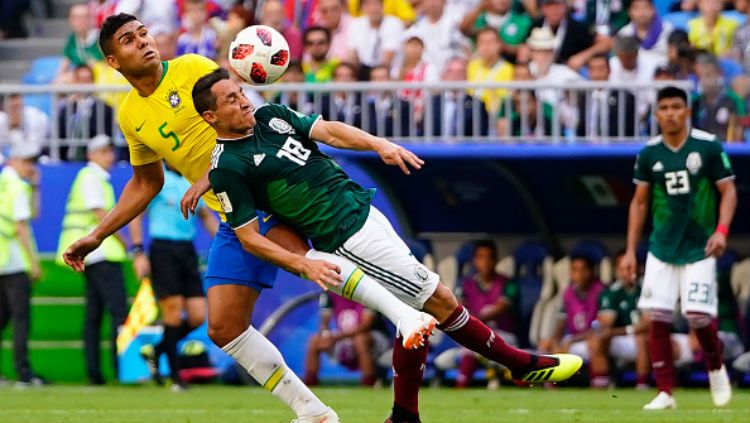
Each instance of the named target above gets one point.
<point>679,19</point>
<point>422,251</point>
<point>453,267</point>
<point>597,253</point>
<point>532,271</point>
<point>741,18</point>
<point>43,71</point>
<point>663,6</point>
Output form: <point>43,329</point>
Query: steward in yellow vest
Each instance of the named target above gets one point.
<point>19,260</point>
<point>91,197</point>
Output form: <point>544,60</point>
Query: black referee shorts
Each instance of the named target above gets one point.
<point>174,269</point>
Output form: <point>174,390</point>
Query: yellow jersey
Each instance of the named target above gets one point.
<point>502,71</point>
<point>165,125</point>
<point>718,41</point>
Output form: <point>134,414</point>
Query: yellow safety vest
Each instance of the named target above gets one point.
<point>80,221</point>
<point>11,188</point>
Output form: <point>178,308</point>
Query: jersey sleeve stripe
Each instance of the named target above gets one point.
<point>640,182</point>
<point>724,179</point>
<point>309,135</point>
<point>246,223</point>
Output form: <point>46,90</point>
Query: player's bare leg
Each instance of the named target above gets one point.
<point>642,364</point>
<point>229,311</point>
<point>599,360</point>
<point>413,325</point>
<point>363,344</point>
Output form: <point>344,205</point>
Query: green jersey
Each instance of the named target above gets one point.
<point>280,170</point>
<point>623,301</point>
<point>684,200</point>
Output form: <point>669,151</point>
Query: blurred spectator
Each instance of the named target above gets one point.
<point>198,37</point>
<point>413,68</point>
<point>238,18</point>
<point>440,32</point>
<point>607,17</point>
<point>453,110</point>
<point>490,297</point>
<point>19,258</point>
<point>647,26</point>
<point>741,41</point>
<point>579,309</point>
<point>681,55</point>
<point>101,10</point>
<point>21,124</point>
<point>619,332</point>
<point>330,15</point>
<point>341,105</point>
<point>526,120</point>
<point>383,108</point>
<point>166,42</point>
<point>158,16</point>
<point>273,16</point>
<point>82,46</point>
<point>521,72</point>
<point>543,69</point>
<point>489,66</point>
<point>512,26</point>
<point>90,198</point>
<point>355,342</point>
<point>316,64</point>
<point>574,42</point>
<point>599,114</point>
<point>82,116</point>
<point>374,38</point>
<point>630,64</point>
<point>11,18</point>
<point>401,9</point>
<point>712,31</point>
<point>292,75</point>
<point>716,109</point>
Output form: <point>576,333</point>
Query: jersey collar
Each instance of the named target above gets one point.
<point>245,138</point>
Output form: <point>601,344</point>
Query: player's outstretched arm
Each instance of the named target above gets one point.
<point>146,182</point>
<point>636,218</point>
<point>341,135</point>
<point>717,243</point>
<point>318,271</point>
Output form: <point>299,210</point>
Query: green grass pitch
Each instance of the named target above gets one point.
<point>71,404</point>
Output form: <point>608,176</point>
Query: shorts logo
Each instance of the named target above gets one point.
<point>226,205</point>
<point>694,162</point>
<point>281,126</point>
<point>421,273</point>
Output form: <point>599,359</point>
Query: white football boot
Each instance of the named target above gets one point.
<point>329,416</point>
<point>415,329</point>
<point>663,401</point>
<point>721,388</point>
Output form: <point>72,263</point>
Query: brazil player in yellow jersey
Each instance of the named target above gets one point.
<point>687,177</point>
<point>159,122</point>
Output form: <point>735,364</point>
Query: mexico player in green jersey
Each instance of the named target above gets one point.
<point>680,172</point>
<point>268,160</point>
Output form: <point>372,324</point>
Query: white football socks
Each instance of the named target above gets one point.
<point>358,287</point>
<point>264,363</point>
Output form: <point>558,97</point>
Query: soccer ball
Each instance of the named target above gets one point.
<point>259,55</point>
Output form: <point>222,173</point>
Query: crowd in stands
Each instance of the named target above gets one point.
<point>482,41</point>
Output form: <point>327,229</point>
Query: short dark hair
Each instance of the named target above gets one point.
<point>486,243</point>
<point>109,27</point>
<point>203,98</point>
<point>586,259</point>
<point>317,28</point>
<point>678,37</point>
<point>671,92</point>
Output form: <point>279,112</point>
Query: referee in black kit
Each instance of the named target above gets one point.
<point>173,265</point>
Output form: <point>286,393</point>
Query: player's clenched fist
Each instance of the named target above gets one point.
<point>76,253</point>
<point>321,272</point>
